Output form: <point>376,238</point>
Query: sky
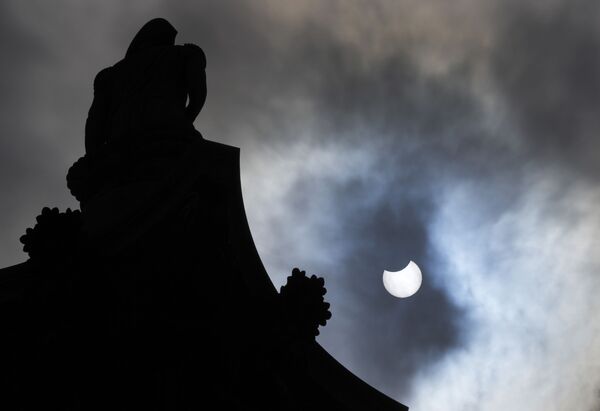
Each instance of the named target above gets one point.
<point>461,135</point>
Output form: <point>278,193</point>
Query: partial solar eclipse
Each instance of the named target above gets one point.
<point>403,283</point>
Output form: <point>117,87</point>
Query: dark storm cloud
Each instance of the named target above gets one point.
<point>392,342</point>
<point>383,339</point>
<point>547,62</point>
<point>424,133</point>
<point>417,124</point>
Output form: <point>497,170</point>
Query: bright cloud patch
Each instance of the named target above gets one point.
<point>530,281</point>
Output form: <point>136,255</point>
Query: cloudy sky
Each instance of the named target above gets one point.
<point>462,135</point>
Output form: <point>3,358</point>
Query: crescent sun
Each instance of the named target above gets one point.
<point>403,283</point>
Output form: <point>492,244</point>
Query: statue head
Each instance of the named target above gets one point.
<point>157,32</point>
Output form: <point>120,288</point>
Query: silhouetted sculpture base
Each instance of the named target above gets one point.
<point>170,310</point>
<point>153,297</point>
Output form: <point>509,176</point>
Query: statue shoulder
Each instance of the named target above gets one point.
<point>195,54</point>
<point>102,79</point>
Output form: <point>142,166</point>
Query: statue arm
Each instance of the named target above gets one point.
<point>195,79</point>
<point>95,125</point>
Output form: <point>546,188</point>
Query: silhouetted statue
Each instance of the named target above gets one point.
<point>153,297</point>
<point>143,97</point>
<point>139,117</point>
